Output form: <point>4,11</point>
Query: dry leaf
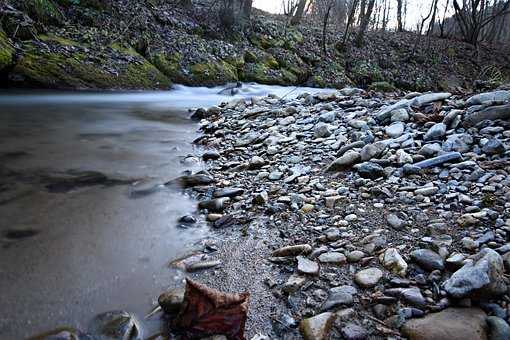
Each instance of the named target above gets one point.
<point>206,312</point>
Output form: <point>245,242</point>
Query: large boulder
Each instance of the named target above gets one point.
<point>483,277</point>
<point>450,324</point>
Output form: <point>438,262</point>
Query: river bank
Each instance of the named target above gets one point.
<point>128,44</point>
<point>358,215</point>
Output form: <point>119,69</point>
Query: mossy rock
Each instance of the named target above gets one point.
<point>264,41</point>
<point>76,70</point>
<point>213,73</point>
<point>168,63</point>
<point>250,57</point>
<point>382,86</point>
<point>271,62</point>
<point>43,11</point>
<point>6,52</point>
<point>263,74</point>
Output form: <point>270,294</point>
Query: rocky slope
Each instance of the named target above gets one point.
<point>138,45</point>
<point>357,215</point>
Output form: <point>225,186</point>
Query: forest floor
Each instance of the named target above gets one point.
<point>128,44</point>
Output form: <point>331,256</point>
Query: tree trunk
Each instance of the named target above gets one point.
<point>364,23</point>
<point>296,19</point>
<point>350,20</point>
<point>400,28</point>
<point>247,4</point>
<point>324,30</point>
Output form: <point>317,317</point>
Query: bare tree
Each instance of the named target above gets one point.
<point>474,15</point>
<point>350,21</point>
<point>433,19</point>
<point>400,27</point>
<point>364,23</point>
<point>442,22</point>
<point>246,11</point>
<point>298,15</point>
<point>324,28</point>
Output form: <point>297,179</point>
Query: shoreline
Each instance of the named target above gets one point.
<point>410,228</point>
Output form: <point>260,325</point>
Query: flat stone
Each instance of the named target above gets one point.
<point>306,266</point>
<point>339,296</point>
<point>395,130</point>
<point>344,162</point>
<point>428,259</point>
<point>369,277</point>
<point>450,324</point>
<point>333,258</point>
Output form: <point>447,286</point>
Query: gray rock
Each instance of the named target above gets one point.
<point>495,96</point>
<point>446,157</point>
<point>322,130</point>
<point>369,277</point>
<point>339,296</point>
<point>399,115</point>
<point>493,147</point>
<point>395,222</point>
<point>411,296</point>
<point>228,192</point>
<point>436,131</point>
<point>116,325</point>
<point>370,151</point>
<point>428,259</point>
<point>214,205</point>
<point>395,130</point>
<point>333,258</point>
<point>352,331</point>
<point>306,266</point>
<point>370,170</point>
<point>430,150</point>
<point>385,113</point>
<point>428,98</point>
<point>327,117</point>
<point>450,324</point>
<point>498,328</point>
<point>491,113</point>
<point>483,277</point>
<point>393,261</point>
<point>345,162</point>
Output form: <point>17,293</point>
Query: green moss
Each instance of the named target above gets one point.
<point>44,11</point>
<point>250,57</point>
<point>53,70</point>
<point>382,86</point>
<point>365,73</point>
<point>318,81</point>
<point>6,51</point>
<point>271,62</point>
<point>169,64</point>
<point>213,73</point>
<point>289,77</point>
<point>57,39</point>
<point>264,41</point>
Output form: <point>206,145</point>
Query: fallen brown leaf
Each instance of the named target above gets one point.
<point>206,312</point>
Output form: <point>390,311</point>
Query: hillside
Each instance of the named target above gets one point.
<point>129,44</point>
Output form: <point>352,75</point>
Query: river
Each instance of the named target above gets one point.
<point>81,230</point>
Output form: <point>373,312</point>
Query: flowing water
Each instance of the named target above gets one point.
<point>81,231</point>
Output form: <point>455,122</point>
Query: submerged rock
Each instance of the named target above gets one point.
<point>116,325</point>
